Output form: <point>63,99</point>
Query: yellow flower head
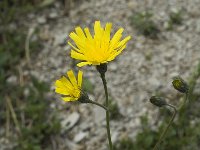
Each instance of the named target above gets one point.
<point>70,88</point>
<point>97,49</point>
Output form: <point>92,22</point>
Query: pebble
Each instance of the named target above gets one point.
<point>12,79</point>
<point>113,67</point>
<point>60,39</point>
<point>70,121</point>
<point>41,20</point>
<point>80,136</point>
<point>26,92</point>
<point>53,15</point>
<point>115,136</point>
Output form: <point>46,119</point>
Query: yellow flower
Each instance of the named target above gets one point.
<point>70,88</point>
<point>97,49</point>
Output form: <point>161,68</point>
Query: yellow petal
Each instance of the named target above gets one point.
<point>120,50</point>
<point>74,47</point>
<point>80,76</point>
<point>88,34</point>
<point>62,91</point>
<point>78,41</point>
<point>124,41</point>
<point>73,36</point>
<point>96,63</point>
<point>81,64</point>
<point>97,31</point>
<point>116,37</point>
<point>107,31</point>
<point>72,78</point>
<point>80,32</point>
<point>69,99</point>
<point>58,83</point>
<point>112,57</point>
<point>97,27</point>
<point>76,55</point>
<point>65,82</point>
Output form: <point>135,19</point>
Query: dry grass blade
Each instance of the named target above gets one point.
<point>10,106</point>
<point>27,49</point>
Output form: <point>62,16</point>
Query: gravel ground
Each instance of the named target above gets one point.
<point>144,68</point>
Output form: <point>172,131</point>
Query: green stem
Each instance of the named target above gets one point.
<point>183,105</point>
<point>95,103</point>
<point>166,129</point>
<point>107,112</point>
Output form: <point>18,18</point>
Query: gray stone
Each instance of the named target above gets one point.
<point>60,39</point>
<point>70,121</point>
<point>41,20</point>
<point>80,136</point>
<point>12,79</point>
<point>53,15</point>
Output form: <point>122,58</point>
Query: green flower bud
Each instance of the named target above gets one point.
<point>158,101</point>
<point>180,85</point>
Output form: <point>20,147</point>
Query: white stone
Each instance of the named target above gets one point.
<point>70,121</point>
<point>80,136</point>
<point>12,80</point>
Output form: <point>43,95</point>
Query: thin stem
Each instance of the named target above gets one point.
<point>107,112</point>
<point>7,121</point>
<point>184,111</point>
<point>185,103</point>
<point>95,103</point>
<point>187,99</point>
<point>166,129</point>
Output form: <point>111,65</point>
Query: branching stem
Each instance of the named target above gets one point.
<point>166,129</point>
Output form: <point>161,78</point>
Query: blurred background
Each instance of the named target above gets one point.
<point>34,53</point>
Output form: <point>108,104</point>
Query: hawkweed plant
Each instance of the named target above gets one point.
<point>96,50</point>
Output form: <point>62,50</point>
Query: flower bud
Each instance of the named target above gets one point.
<point>180,85</point>
<point>158,101</point>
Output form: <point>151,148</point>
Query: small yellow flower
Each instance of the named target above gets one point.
<point>97,49</point>
<point>70,88</point>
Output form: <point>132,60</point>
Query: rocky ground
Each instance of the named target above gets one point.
<point>144,68</point>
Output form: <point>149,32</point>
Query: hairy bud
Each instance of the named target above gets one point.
<point>180,85</point>
<point>158,101</point>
